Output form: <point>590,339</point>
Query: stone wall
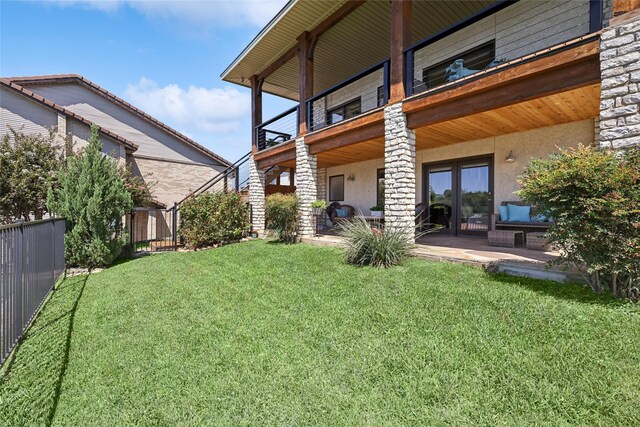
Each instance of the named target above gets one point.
<point>620,70</point>
<point>256,196</point>
<point>306,187</point>
<point>400,179</point>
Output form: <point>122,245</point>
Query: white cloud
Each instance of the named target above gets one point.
<point>226,13</point>
<point>192,110</point>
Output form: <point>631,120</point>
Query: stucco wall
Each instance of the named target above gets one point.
<point>172,181</point>
<point>361,193</point>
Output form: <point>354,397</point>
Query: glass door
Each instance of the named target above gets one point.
<point>474,196</point>
<point>440,209</point>
<point>459,196</point>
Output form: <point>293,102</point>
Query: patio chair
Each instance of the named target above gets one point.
<point>332,212</point>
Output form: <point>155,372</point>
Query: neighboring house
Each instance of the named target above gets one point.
<point>436,103</point>
<point>69,104</point>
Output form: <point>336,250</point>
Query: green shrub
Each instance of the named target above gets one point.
<point>593,196</point>
<point>213,218</point>
<point>370,245</point>
<point>92,197</point>
<point>282,213</point>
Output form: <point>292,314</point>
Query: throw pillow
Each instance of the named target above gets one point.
<point>519,213</point>
<point>342,213</point>
<point>504,213</point>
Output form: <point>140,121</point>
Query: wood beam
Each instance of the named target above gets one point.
<point>529,66</point>
<point>342,128</point>
<point>280,148</point>
<point>256,110</point>
<point>552,81</point>
<point>314,35</point>
<point>401,20</point>
<point>306,79</point>
<point>372,131</point>
<point>277,159</point>
<point>624,6</point>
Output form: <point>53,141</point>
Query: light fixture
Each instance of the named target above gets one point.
<point>510,158</point>
<point>351,177</point>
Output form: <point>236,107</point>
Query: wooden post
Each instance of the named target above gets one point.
<point>623,6</point>
<point>256,110</point>
<point>401,20</point>
<point>305,54</point>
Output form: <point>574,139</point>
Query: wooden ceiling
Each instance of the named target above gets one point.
<point>565,107</point>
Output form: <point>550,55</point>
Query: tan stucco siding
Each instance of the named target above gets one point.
<point>172,181</point>
<point>361,193</point>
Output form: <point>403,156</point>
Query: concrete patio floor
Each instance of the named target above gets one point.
<point>518,261</point>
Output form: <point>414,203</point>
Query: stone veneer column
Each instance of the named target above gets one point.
<point>620,71</point>
<point>306,187</point>
<point>256,196</point>
<point>400,171</point>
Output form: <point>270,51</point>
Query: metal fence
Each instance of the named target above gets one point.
<point>153,230</point>
<point>31,260</point>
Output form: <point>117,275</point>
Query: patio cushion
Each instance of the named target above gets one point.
<point>519,213</point>
<point>504,213</point>
<point>539,218</point>
<point>342,213</point>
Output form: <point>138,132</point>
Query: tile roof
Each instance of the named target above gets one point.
<point>76,78</point>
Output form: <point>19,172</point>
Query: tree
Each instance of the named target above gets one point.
<point>28,168</point>
<point>92,196</point>
<point>138,187</point>
<point>593,196</point>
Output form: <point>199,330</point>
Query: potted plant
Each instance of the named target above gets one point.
<point>377,211</point>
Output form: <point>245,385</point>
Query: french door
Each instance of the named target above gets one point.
<point>459,195</point>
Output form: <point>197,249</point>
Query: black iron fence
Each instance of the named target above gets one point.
<point>153,230</point>
<point>31,260</point>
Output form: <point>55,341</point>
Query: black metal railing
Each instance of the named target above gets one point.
<point>356,95</point>
<point>31,261</point>
<point>502,32</point>
<point>279,129</point>
<point>153,229</point>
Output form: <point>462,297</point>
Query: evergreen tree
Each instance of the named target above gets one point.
<point>92,196</point>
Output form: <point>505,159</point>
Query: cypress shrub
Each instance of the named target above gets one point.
<point>281,213</point>
<point>92,196</point>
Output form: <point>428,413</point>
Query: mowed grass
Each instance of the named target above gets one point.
<point>259,333</point>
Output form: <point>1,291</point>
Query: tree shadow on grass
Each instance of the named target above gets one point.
<point>30,386</point>
<point>575,292</point>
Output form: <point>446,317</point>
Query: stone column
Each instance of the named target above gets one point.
<point>306,187</point>
<point>400,171</point>
<point>620,71</point>
<point>256,196</point>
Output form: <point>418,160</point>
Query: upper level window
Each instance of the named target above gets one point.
<point>344,111</point>
<point>459,66</point>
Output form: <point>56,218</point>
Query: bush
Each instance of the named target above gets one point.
<point>370,245</point>
<point>281,213</point>
<point>92,197</point>
<point>213,218</point>
<point>28,168</point>
<point>593,196</point>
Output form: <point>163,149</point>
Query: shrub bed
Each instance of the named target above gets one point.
<point>281,213</point>
<point>213,218</point>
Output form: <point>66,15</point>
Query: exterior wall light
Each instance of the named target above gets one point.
<point>351,177</point>
<point>510,158</point>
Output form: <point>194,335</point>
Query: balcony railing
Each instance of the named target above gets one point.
<point>275,131</point>
<point>499,33</point>
<point>356,95</point>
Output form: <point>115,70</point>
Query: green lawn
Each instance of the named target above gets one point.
<point>259,333</point>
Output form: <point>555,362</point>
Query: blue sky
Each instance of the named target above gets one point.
<point>162,56</point>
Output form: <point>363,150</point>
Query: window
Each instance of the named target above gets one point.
<point>336,188</point>
<point>345,111</point>
<point>380,188</point>
<point>380,92</point>
<point>474,60</point>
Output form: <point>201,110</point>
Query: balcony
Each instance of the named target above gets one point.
<point>493,39</point>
